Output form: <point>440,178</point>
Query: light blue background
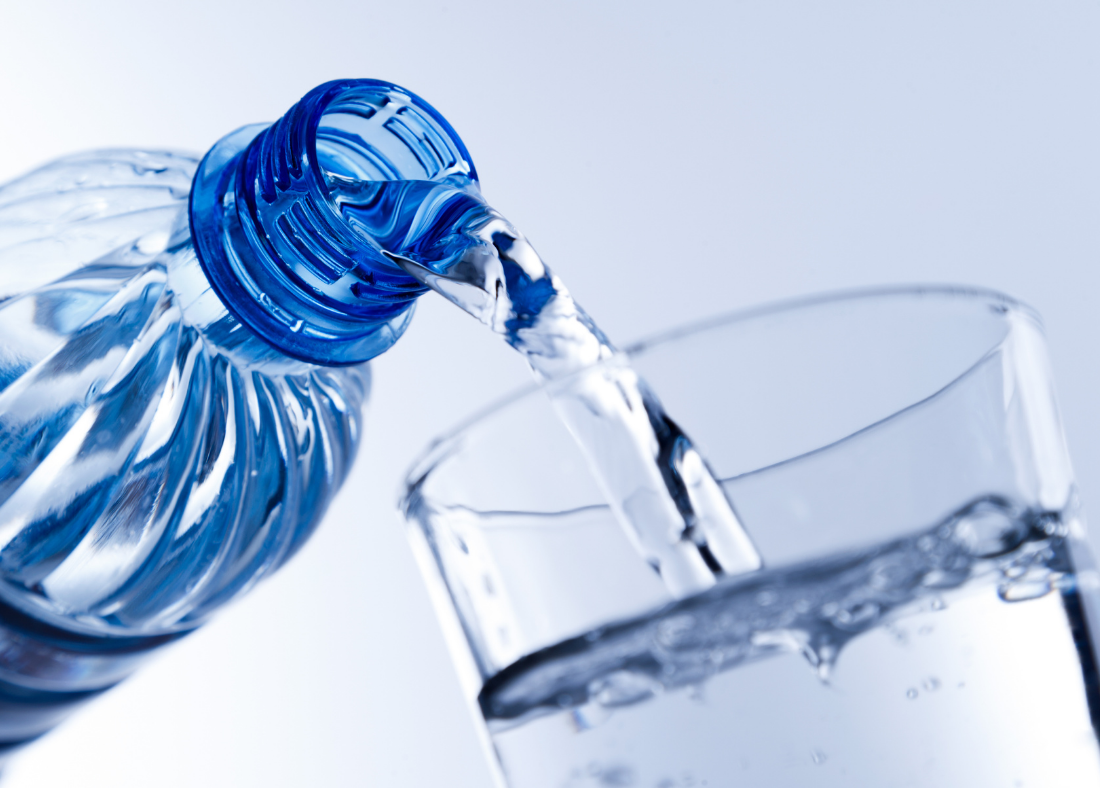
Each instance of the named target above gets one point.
<point>669,160</point>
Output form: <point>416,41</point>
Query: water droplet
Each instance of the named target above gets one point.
<point>1051,524</point>
<point>911,693</point>
<point>989,530</point>
<point>892,572</point>
<point>818,757</point>
<point>925,630</point>
<point>938,603</point>
<point>931,684</point>
<point>1029,582</point>
<point>1060,581</point>
<point>153,243</point>
<point>857,616</point>
<point>942,578</point>
<point>617,776</point>
<point>589,716</point>
<point>594,635</point>
<point>766,598</point>
<point>1023,591</point>
<point>673,632</point>
<point>622,688</point>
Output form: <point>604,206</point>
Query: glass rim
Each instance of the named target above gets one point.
<point>440,447</point>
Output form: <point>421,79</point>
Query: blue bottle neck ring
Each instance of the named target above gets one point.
<point>270,234</point>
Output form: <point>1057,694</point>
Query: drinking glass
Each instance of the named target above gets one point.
<point>924,612</point>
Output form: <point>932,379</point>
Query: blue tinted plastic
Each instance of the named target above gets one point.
<point>292,221</point>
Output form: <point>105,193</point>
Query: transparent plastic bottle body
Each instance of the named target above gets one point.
<point>156,458</point>
<point>182,373</point>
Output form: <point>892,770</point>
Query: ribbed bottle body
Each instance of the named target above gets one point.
<point>156,458</point>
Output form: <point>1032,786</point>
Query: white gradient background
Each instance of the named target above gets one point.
<point>669,160</point>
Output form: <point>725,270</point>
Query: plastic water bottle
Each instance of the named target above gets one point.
<point>181,372</point>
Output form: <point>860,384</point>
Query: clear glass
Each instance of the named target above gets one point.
<point>924,613</point>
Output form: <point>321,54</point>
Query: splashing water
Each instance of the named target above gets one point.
<point>813,610</point>
<point>790,676</point>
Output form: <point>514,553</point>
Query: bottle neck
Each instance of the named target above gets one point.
<point>272,233</point>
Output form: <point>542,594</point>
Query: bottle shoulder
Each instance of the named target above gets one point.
<point>108,207</point>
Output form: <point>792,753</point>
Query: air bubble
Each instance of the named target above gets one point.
<point>1023,591</point>
<point>942,578</point>
<point>594,635</point>
<point>988,531</point>
<point>673,632</point>
<point>589,716</point>
<point>623,688</point>
<point>1026,582</point>
<point>1050,524</point>
<point>766,598</point>
<point>857,616</point>
<point>893,572</point>
<point>617,777</point>
<point>153,243</point>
